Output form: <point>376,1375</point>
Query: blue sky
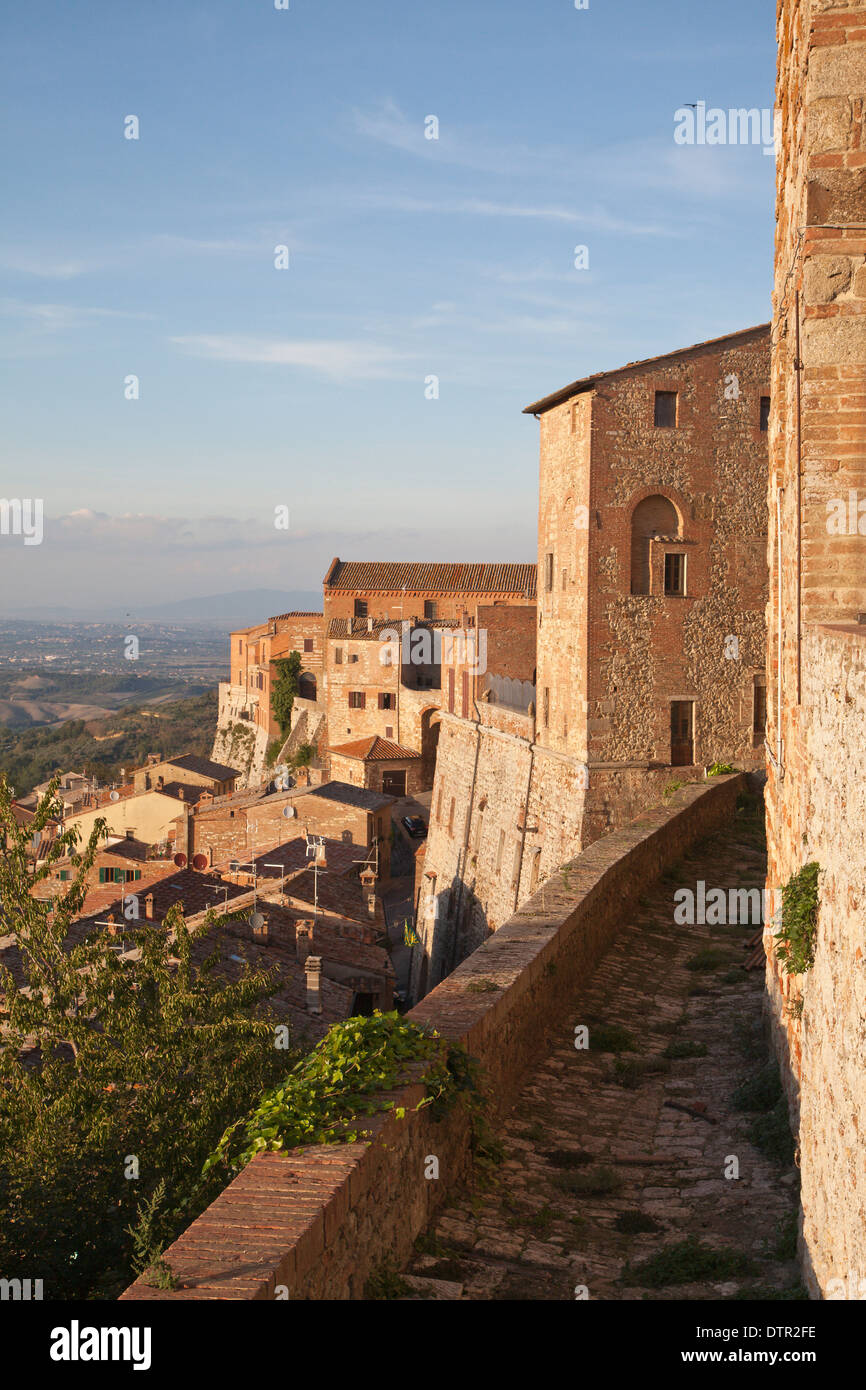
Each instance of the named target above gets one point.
<point>409,257</point>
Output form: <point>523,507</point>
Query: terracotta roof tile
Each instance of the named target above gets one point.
<point>373,749</point>
<point>419,577</point>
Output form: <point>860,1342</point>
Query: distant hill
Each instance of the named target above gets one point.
<point>241,608</point>
<point>104,746</point>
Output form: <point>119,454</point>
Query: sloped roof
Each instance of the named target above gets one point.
<point>349,795</point>
<point>392,576</point>
<point>193,762</point>
<point>373,749</point>
<point>587,382</point>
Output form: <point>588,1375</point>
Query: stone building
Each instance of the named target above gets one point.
<point>245,723</point>
<point>652,591</point>
<point>816,672</point>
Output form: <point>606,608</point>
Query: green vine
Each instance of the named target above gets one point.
<point>798,933</point>
<point>720,770</point>
<point>322,1098</point>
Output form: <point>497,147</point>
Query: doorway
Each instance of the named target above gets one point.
<point>682,733</point>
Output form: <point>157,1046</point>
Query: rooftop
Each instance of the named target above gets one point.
<point>425,578</point>
<point>587,382</point>
<point>349,795</point>
<point>373,749</point>
<point>193,762</point>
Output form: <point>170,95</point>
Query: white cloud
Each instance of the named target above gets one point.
<point>345,358</point>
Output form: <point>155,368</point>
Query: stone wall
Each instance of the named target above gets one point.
<point>239,741</point>
<point>816,673</point>
<point>314,1224</point>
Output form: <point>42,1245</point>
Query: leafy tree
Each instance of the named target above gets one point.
<point>284,690</point>
<point>119,1071</point>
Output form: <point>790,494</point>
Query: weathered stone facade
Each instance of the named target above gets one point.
<point>651,613</point>
<point>816,673</point>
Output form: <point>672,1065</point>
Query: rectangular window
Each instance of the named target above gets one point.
<point>387,701</point>
<point>101,875</point>
<point>360,608</point>
<point>759,708</point>
<point>548,571</point>
<point>675,574</point>
<point>357,699</point>
<point>338,656</point>
<point>308,644</point>
<point>451,690</point>
<point>429,608</point>
<point>353,657</point>
<point>666,409</point>
<point>389,731</point>
<point>545,708</point>
<point>765,413</point>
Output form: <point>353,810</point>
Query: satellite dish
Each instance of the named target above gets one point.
<point>114,796</point>
<point>180,861</point>
<point>199,861</point>
<point>289,812</point>
<point>257,921</point>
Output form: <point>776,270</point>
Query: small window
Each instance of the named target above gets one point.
<point>353,657</point>
<point>389,731</point>
<point>357,699</point>
<point>429,608</point>
<point>759,708</point>
<point>675,574</point>
<point>548,571</point>
<point>765,413</point>
<point>360,608</point>
<point>666,409</point>
<point>308,644</point>
<point>338,656</point>
<point>387,701</point>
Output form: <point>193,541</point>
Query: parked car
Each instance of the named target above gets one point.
<point>415,827</point>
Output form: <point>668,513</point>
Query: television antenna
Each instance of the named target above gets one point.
<point>316,849</point>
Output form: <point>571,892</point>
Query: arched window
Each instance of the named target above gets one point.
<point>307,686</point>
<point>654,516</point>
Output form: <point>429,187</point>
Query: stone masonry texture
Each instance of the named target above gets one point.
<point>816,669</point>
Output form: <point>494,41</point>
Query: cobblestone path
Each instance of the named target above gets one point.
<point>618,1153</point>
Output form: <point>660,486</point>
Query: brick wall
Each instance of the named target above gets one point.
<point>816,672</point>
<point>314,1224</point>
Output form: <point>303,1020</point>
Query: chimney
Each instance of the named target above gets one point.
<point>368,881</point>
<point>180,793</point>
<point>313,971</point>
<point>259,926</point>
<point>148,907</point>
<point>303,940</point>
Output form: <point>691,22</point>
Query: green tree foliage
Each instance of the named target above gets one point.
<point>103,747</point>
<point>284,690</point>
<point>112,1062</point>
